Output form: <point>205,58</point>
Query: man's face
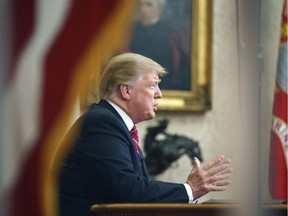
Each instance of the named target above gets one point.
<point>144,97</point>
<point>149,10</point>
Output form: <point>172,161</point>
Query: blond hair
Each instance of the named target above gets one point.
<point>125,68</point>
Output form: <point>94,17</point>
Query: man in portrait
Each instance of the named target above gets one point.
<point>153,36</point>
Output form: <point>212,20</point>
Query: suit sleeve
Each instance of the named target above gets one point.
<point>104,151</point>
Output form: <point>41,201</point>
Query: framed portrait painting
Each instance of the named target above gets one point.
<point>177,35</point>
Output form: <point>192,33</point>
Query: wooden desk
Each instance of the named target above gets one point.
<point>163,209</point>
<point>181,210</point>
<point>277,210</point>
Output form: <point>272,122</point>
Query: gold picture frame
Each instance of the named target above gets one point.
<point>198,99</point>
<point>179,38</point>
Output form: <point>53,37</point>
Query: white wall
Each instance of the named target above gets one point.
<point>231,126</point>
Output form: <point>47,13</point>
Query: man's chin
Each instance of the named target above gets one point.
<point>151,115</point>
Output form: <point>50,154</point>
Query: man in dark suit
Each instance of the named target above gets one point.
<point>105,165</point>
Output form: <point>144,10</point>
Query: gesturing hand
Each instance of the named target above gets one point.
<point>213,176</point>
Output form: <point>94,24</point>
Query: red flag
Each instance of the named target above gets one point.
<point>53,49</point>
<point>279,134</point>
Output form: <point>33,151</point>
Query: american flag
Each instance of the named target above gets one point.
<point>50,51</point>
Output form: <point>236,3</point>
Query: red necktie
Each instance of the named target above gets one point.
<point>134,135</point>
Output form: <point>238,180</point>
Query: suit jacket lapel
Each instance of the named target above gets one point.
<point>108,106</point>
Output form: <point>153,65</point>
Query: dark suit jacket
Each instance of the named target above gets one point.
<point>103,167</point>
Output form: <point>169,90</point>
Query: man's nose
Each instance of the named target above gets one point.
<point>158,92</point>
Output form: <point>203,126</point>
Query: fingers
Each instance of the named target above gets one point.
<point>217,178</point>
<point>218,188</point>
<point>219,174</point>
<point>197,163</point>
<point>220,185</point>
<point>213,176</point>
<point>220,169</point>
<point>219,165</point>
<point>226,171</point>
<point>214,162</point>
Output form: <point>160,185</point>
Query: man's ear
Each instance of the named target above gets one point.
<point>125,91</point>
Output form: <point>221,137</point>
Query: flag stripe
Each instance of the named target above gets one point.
<point>64,55</point>
<point>23,20</point>
<point>27,82</point>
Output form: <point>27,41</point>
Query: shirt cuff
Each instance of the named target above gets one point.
<point>189,193</point>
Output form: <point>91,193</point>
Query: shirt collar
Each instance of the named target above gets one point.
<point>127,120</point>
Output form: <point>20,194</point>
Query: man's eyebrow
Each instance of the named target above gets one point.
<point>157,80</point>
